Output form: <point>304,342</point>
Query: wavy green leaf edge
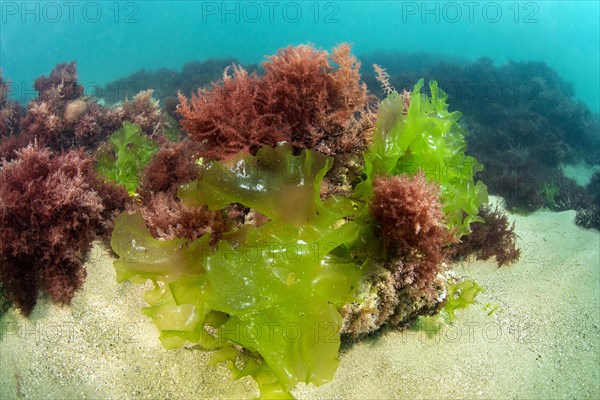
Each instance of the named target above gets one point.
<point>267,297</point>
<point>127,156</point>
<point>461,295</point>
<point>427,138</point>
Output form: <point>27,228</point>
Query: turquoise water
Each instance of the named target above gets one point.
<point>263,267</point>
<point>111,39</point>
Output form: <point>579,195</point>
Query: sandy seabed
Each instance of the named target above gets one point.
<point>542,342</point>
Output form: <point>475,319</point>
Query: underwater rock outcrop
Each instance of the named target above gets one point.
<point>320,250</point>
<point>289,218</point>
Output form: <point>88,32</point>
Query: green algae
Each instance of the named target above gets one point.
<point>460,295</point>
<point>274,291</point>
<point>428,138</point>
<point>266,298</point>
<point>124,161</point>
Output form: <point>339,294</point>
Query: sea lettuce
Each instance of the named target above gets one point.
<point>125,159</point>
<point>429,138</point>
<point>266,297</point>
<point>271,291</point>
<point>276,183</point>
<point>460,295</point>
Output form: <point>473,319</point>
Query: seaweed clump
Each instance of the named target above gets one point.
<point>258,283</point>
<point>166,83</point>
<point>460,295</point>
<point>167,217</point>
<point>51,208</point>
<point>407,278</point>
<point>10,112</point>
<point>408,213</point>
<point>302,99</point>
<point>494,237</point>
<point>52,203</point>
<point>524,124</point>
<point>152,175</point>
<point>423,197</point>
<point>63,118</point>
<point>126,157</point>
<point>306,257</point>
<point>589,217</point>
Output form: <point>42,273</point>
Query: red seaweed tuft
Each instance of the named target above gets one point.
<point>409,217</point>
<point>492,237</point>
<point>51,208</point>
<point>302,98</point>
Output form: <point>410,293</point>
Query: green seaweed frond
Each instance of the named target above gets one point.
<point>427,137</point>
<point>127,156</point>
<point>549,191</point>
<point>460,295</point>
<point>273,290</point>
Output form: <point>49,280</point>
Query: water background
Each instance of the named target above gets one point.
<point>111,39</point>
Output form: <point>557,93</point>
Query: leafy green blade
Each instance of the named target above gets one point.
<point>275,290</point>
<point>427,138</point>
<point>127,157</point>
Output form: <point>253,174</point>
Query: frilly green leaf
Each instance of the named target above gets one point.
<point>275,291</point>
<point>427,138</point>
<point>127,157</point>
<point>276,183</point>
<point>460,295</point>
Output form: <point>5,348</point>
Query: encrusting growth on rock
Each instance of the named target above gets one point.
<point>408,280</point>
